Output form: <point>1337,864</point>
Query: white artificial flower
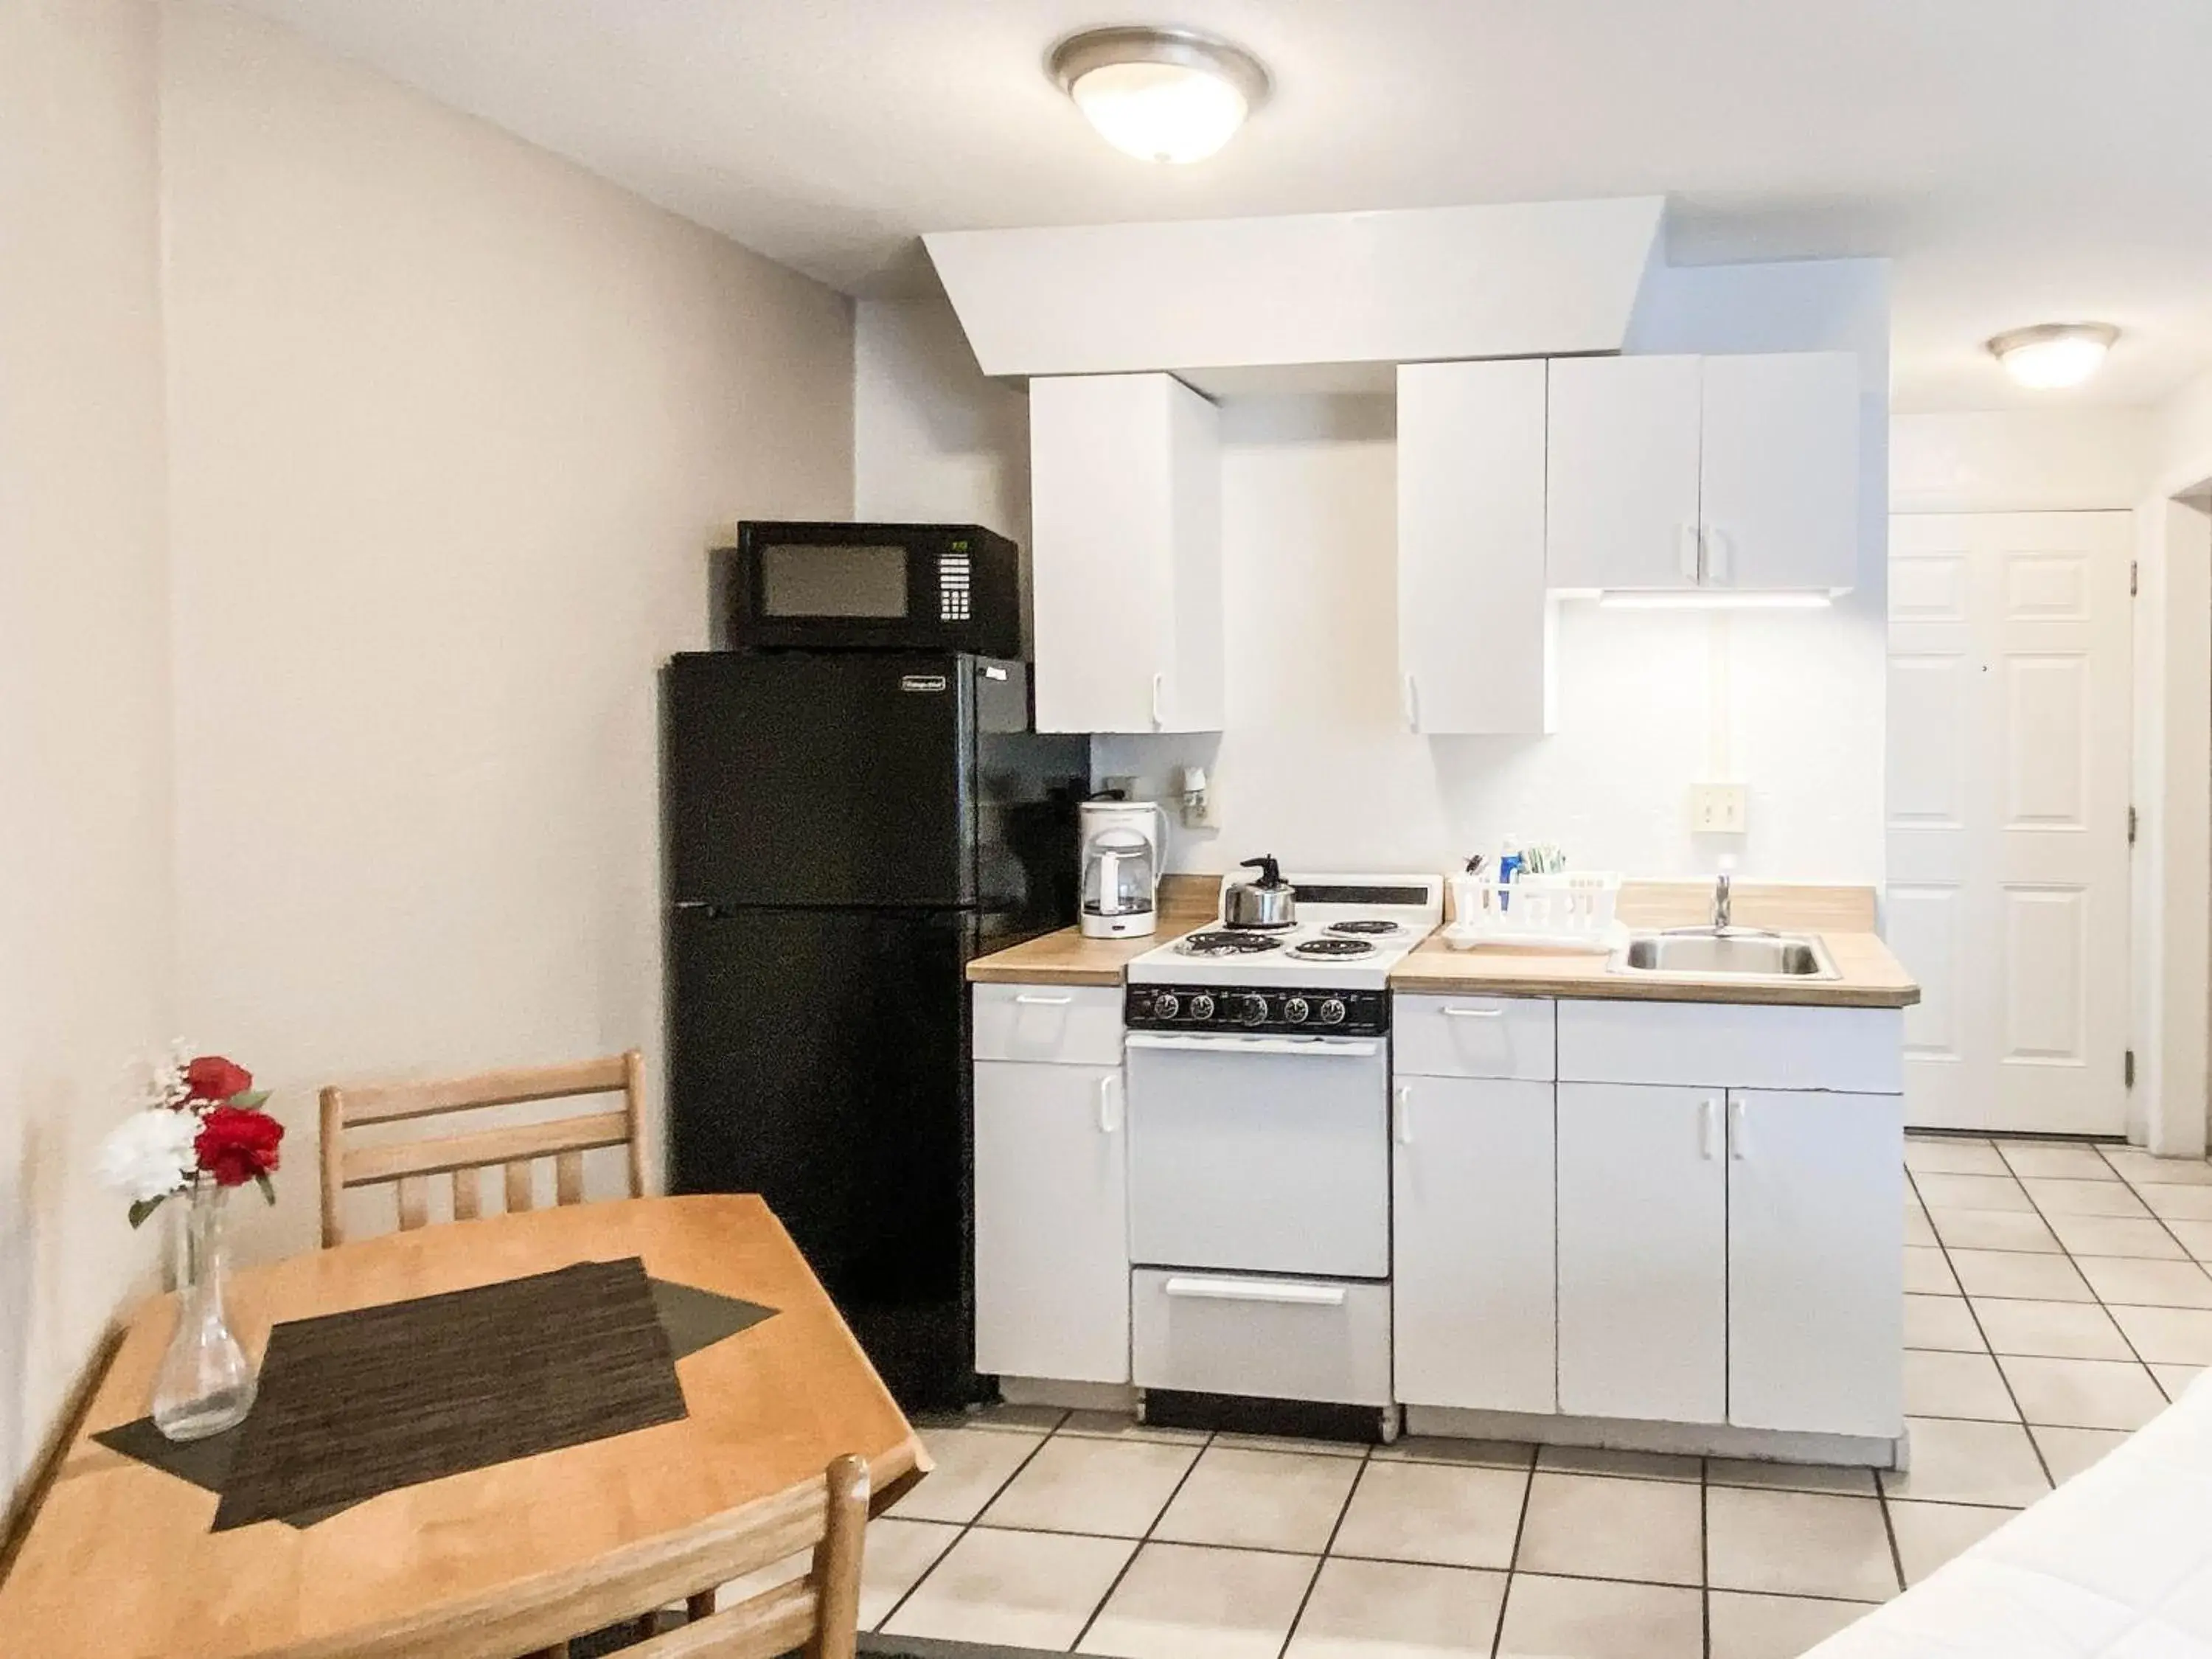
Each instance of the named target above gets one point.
<point>149,1154</point>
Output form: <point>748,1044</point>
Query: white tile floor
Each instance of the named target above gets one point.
<point>2056,1299</point>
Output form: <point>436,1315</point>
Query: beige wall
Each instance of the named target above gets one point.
<point>85,905</point>
<point>453,423</point>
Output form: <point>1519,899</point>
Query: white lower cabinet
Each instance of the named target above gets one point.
<point>1816,1296</point>
<point>1474,1272</point>
<point>1642,1272</point>
<point>1051,1229</point>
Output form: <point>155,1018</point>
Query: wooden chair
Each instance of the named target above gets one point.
<point>411,1165</point>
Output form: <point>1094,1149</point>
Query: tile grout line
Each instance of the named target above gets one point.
<point>1137,1548</point>
<point>2164,1227</point>
<point>1329,1545</point>
<point>969,1525</point>
<point>1513,1558</point>
<point>1974,1314</point>
<point>1705,1555</point>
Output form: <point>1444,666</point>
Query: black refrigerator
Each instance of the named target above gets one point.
<point>844,831</point>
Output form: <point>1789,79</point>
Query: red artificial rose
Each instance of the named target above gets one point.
<point>237,1143</point>
<point>212,1078</point>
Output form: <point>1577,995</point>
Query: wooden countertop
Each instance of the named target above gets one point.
<point>1067,959</point>
<point>1844,917</point>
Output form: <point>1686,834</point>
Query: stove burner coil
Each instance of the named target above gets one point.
<point>1224,943</point>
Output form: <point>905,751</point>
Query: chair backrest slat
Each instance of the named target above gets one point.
<point>514,1148</point>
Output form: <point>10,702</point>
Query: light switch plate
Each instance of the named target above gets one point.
<point>1718,809</point>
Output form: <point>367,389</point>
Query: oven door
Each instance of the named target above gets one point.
<point>1268,1154</point>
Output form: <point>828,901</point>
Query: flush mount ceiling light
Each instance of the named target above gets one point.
<point>2053,355</point>
<point>1161,95</point>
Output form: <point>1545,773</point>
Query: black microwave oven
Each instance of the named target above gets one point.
<point>872,586</point>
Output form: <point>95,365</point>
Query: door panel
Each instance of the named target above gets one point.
<point>1318,1203</point>
<point>1052,1225</point>
<point>1643,1196</point>
<point>841,1097</point>
<point>1621,489</point>
<point>1474,1264</point>
<point>2009,766</point>
<point>1779,470</point>
<point>1474,621</point>
<point>835,778</point>
<point>1816,1294</point>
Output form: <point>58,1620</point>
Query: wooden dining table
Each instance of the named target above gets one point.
<point>119,1560</point>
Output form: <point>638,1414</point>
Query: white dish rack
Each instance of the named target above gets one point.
<point>1564,910</point>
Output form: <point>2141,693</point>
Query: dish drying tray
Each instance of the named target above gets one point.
<point>1565,910</point>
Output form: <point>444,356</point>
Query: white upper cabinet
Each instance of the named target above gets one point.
<point>1622,473</point>
<point>1723,471</point>
<point>1125,555</point>
<point>1779,478</point>
<point>1474,620</point>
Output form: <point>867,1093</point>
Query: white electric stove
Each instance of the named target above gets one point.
<point>1258,1068</point>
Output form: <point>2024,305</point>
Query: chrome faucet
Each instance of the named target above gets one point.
<point>1721,903</point>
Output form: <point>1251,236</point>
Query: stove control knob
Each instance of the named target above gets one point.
<point>1331,1012</point>
<point>1295,1009</point>
<point>1201,1006</point>
<point>1167,1005</point>
<point>1255,1010</point>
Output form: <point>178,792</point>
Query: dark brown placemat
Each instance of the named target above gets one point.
<point>356,1404</point>
<point>693,1318</point>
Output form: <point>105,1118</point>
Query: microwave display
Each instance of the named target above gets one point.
<point>828,586</point>
<point>817,581</point>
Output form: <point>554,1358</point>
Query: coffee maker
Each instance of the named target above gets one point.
<point>1124,843</point>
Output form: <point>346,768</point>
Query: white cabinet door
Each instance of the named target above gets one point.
<point>1126,556</point>
<point>1816,1295</point>
<point>1642,1197</point>
<point>1622,483</point>
<point>1474,620</point>
<point>1472,1270</point>
<point>1780,472</point>
<point>1051,1232</point>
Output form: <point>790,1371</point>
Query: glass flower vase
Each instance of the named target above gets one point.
<point>204,1385</point>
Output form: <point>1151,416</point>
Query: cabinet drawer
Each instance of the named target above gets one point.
<point>1474,1036</point>
<point>1733,1046</point>
<point>1283,1339</point>
<point>1072,1024</point>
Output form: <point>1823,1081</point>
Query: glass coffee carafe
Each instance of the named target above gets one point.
<point>1119,875</point>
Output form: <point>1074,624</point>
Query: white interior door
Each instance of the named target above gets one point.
<point>2009,767</point>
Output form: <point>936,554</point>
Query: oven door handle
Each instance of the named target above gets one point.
<point>1319,1048</point>
<point>1257,1290</point>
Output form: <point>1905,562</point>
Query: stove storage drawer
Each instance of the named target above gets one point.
<point>1510,1037</point>
<point>1274,1337</point>
<point>1067,1025</point>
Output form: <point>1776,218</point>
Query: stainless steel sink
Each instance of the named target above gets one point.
<point>1706,953</point>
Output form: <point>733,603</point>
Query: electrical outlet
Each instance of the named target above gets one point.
<point>1718,809</point>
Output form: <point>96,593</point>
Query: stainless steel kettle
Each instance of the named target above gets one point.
<point>1269,901</point>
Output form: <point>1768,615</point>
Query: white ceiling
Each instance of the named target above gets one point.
<point>2023,161</point>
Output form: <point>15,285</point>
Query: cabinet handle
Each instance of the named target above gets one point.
<point>1158,722</point>
<point>1708,1128</point>
<point>1412,703</point>
<point>1257,1290</point>
<point>1405,1114</point>
<point>1027,1001</point>
<point>1474,1013</point>
<point>1717,559</point>
<point>1107,1120</point>
<point>1735,1127</point>
<point>1687,546</point>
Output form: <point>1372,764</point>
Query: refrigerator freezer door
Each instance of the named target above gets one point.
<point>836,779</point>
<point>817,1058</point>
